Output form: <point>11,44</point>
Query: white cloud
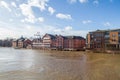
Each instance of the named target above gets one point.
<point>41,19</point>
<point>51,10</point>
<point>41,4</point>
<point>86,21</point>
<point>77,33</point>
<point>68,28</point>
<point>96,2</point>
<point>72,1</point>
<point>13,4</point>
<point>30,19</point>
<point>10,20</point>
<point>63,16</point>
<point>5,33</point>
<point>8,31</point>
<point>22,20</point>
<point>5,5</point>
<point>27,12</point>
<point>83,1</point>
<point>71,32</point>
<point>17,14</point>
<point>29,30</point>
<point>11,30</point>
<point>57,31</point>
<point>107,24</point>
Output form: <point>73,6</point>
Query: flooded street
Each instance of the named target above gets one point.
<point>23,64</point>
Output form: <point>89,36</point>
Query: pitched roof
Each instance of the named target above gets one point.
<point>21,39</point>
<point>73,37</point>
<point>52,36</point>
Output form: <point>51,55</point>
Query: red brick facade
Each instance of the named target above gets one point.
<point>74,43</point>
<point>63,42</point>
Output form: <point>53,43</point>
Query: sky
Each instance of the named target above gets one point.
<point>66,17</point>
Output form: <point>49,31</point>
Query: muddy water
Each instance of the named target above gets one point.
<point>20,64</point>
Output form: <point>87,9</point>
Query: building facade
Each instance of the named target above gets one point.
<point>103,40</point>
<point>37,43</point>
<point>60,42</point>
<point>22,43</point>
<point>74,43</point>
<point>27,43</point>
<point>14,43</point>
<point>49,41</point>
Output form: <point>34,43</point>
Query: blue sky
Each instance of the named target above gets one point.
<point>66,17</point>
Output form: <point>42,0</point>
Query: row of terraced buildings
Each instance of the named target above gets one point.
<point>59,42</point>
<point>52,42</point>
<point>101,40</point>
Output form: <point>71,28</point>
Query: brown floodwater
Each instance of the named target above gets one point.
<point>23,64</point>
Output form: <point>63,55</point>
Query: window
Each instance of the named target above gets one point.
<point>113,35</point>
<point>107,36</point>
<point>119,34</point>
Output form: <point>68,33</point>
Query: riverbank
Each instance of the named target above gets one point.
<point>84,51</point>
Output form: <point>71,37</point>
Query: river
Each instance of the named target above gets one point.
<point>25,64</point>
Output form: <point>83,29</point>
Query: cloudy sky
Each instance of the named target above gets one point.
<point>66,17</point>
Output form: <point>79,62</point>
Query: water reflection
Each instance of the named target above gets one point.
<point>60,65</point>
<point>15,60</point>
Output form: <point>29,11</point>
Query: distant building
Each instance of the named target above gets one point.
<point>14,43</point>
<point>104,39</point>
<point>60,42</point>
<point>37,43</point>
<point>6,43</point>
<point>27,43</point>
<point>63,42</point>
<point>22,43</point>
<point>74,43</point>
<point>95,39</point>
<point>49,41</point>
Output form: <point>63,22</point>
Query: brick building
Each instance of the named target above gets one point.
<point>63,42</point>
<point>14,43</point>
<point>27,43</point>
<point>22,43</point>
<point>74,43</point>
<point>37,43</point>
<point>60,42</point>
<point>49,41</point>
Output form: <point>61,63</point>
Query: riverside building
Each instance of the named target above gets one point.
<point>103,40</point>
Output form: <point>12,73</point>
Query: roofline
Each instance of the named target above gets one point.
<point>105,30</point>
